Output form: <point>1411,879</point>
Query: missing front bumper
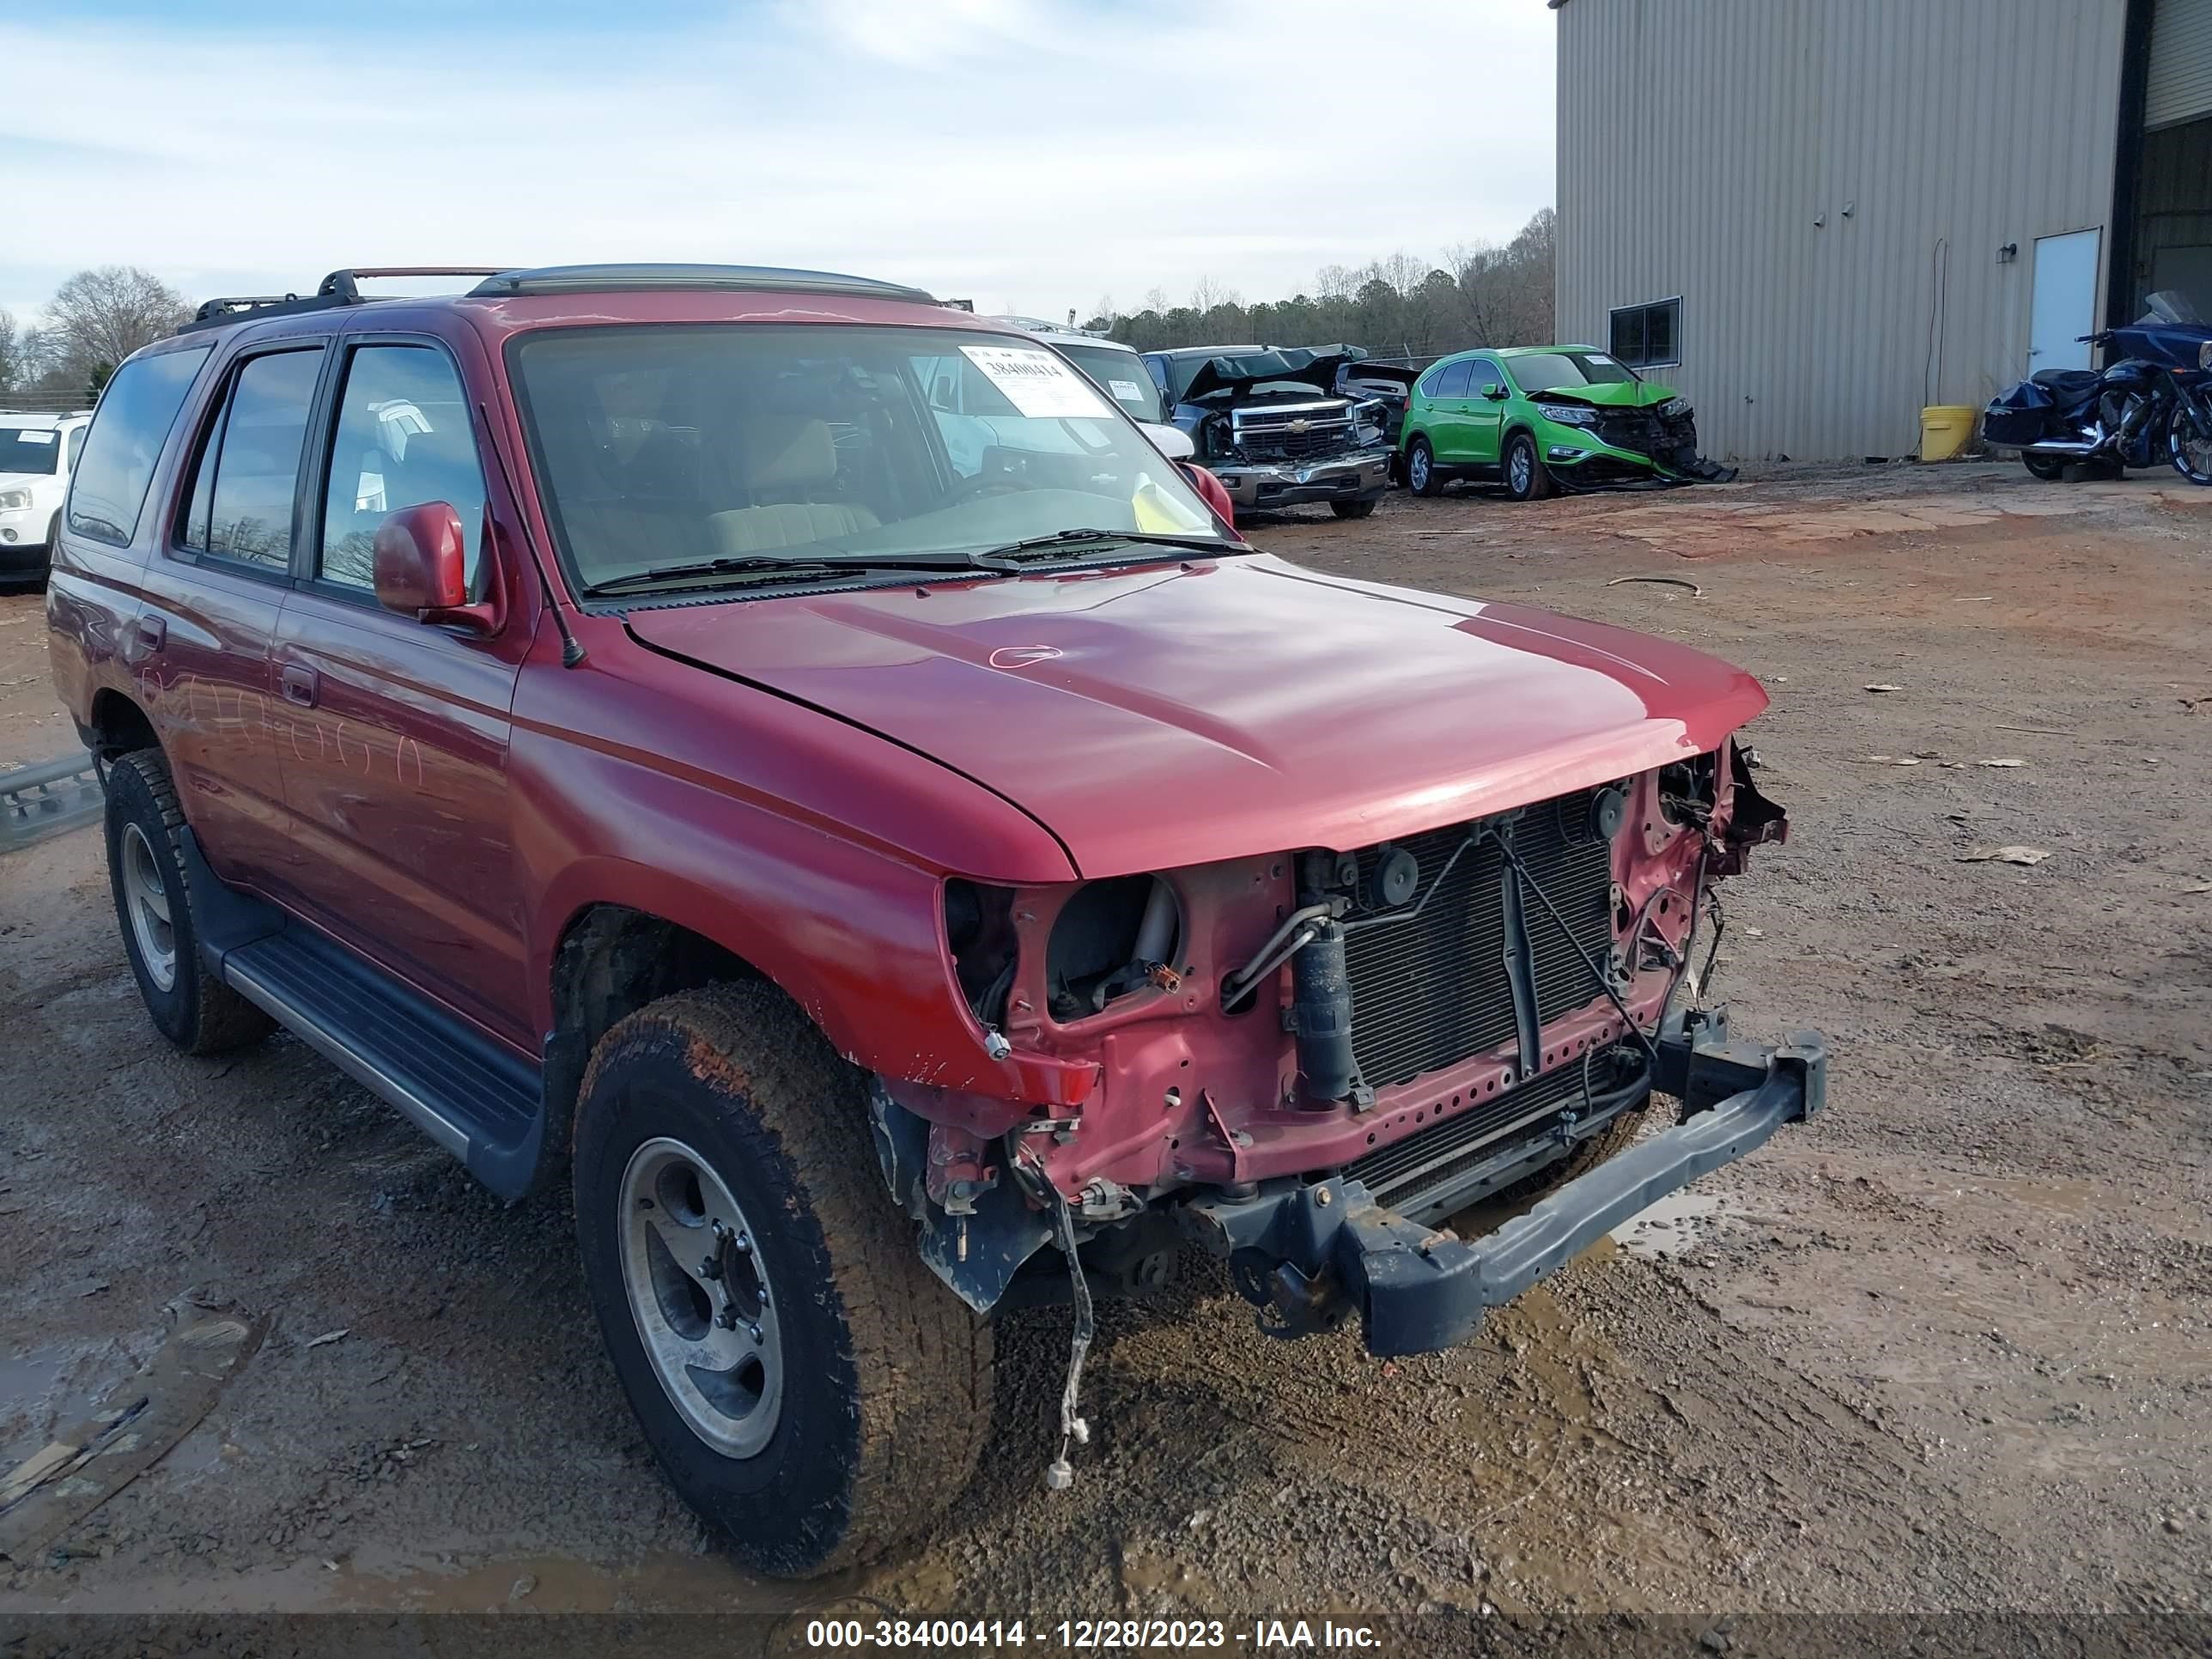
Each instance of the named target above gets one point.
<point>1311,1256</point>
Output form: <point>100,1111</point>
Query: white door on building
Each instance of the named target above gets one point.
<point>2064,305</point>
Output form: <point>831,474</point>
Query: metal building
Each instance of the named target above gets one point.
<point>1815,216</point>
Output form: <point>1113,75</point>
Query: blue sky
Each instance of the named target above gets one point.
<point>1034,154</point>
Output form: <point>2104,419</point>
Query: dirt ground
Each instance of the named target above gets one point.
<point>1947,1347</point>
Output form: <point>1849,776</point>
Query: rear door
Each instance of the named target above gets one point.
<point>214,592</point>
<point>1488,390</point>
<point>396,779</point>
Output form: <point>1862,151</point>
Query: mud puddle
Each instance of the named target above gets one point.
<point>1676,1226</point>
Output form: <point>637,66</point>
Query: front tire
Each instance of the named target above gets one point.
<point>811,1389</point>
<point>1359,510</point>
<point>1422,477</point>
<point>2189,445</point>
<point>1525,478</point>
<point>196,1011</point>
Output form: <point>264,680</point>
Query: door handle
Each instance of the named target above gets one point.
<point>300,684</point>
<point>146,636</point>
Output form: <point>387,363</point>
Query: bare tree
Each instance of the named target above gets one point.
<point>11,362</point>
<point>99,317</point>
<point>1402,271</point>
<point>1482,294</point>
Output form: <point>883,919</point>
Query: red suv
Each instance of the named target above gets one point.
<point>796,764</point>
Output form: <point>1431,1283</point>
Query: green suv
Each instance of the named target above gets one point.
<point>1536,416</point>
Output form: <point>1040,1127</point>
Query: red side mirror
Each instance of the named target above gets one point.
<point>422,561</point>
<point>1211,491</point>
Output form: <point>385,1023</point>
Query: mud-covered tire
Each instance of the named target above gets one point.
<point>1526,480</point>
<point>1365,508</point>
<point>891,1399</point>
<point>196,1011</point>
<point>1422,477</point>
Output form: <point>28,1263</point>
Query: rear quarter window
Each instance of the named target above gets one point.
<point>136,412</point>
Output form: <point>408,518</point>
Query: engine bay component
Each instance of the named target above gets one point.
<point>1112,938</point>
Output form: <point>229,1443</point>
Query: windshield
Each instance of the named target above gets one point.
<point>2171,306</point>
<point>1551,371</point>
<point>668,446</point>
<point>30,449</point>
<point>1122,374</point>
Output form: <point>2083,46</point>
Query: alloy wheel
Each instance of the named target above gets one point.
<point>2189,443</point>
<point>146,901</point>
<point>699,1293</point>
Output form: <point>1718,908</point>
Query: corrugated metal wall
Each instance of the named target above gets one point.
<point>2180,84</point>
<point>1701,141</point>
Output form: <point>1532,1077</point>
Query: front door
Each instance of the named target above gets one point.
<point>1448,413</point>
<point>1485,410</point>
<point>2064,305</point>
<point>396,784</point>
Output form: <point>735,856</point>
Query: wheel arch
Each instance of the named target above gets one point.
<point>611,958</point>
<point>117,725</point>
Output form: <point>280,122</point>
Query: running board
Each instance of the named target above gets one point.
<point>474,1097</point>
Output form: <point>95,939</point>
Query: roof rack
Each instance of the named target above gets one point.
<point>602,279</point>
<point>340,288</point>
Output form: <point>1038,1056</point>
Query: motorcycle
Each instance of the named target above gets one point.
<point>2153,402</point>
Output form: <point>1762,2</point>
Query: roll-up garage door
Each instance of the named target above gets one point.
<point>2179,88</point>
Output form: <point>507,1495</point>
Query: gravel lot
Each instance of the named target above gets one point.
<point>1943,1347</point>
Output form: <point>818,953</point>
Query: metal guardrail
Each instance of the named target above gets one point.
<point>47,799</point>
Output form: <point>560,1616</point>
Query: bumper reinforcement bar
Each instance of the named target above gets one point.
<point>1312,1255</point>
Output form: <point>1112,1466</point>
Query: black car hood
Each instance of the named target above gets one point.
<point>1240,372</point>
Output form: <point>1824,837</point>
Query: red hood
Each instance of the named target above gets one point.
<point>1162,716</point>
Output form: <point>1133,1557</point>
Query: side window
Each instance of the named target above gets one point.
<point>136,410</point>
<point>1158,370</point>
<point>248,471</point>
<point>76,446</point>
<point>1481,374</point>
<point>1452,379</point>
<point>403,439</point>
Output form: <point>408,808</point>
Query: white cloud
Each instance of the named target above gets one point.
<point>1034,154</point>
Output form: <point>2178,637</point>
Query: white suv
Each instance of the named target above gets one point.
<point>1118,372</point>
<point>37,453</point>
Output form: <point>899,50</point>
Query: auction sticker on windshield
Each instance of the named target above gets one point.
<point>1037,382</point>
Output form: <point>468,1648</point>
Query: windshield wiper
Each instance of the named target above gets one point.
<point>1033,549</point>
<point>755,567</point>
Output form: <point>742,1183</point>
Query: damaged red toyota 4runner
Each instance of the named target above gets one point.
<point>798,766</point>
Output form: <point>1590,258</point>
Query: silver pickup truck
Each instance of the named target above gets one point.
<point>1268,423</point>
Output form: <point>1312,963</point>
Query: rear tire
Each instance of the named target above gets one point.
<point>189,1006</point>
<point>1360,509</point>
<point>857,1415</point>
<point>2049,468</point>
<point>1525,478</point>
<point>1422,477</point>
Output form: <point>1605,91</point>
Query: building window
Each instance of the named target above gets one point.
<point>1649,336</point>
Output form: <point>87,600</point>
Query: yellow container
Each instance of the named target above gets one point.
<point>1945,429</point>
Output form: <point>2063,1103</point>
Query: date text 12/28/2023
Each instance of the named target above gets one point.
<point>1116,1635</point>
